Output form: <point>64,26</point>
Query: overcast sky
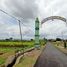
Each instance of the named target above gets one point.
<point>29,10</point>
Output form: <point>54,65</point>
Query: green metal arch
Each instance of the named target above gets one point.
<point>52,18</point>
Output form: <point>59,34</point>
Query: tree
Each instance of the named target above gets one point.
<point>31,39</point>
<point>10,38</point>
<point>58,39</point>
<point>7,39</point>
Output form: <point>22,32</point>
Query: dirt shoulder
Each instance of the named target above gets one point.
<point>29,58</point>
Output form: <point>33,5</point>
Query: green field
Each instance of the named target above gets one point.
<point>16,43</point>
<point>6,51</point>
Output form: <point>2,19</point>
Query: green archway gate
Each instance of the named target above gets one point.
<point>37,44</point>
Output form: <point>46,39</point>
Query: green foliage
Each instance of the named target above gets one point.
<point>2,61</point>
<point>43,42</point>
<point>58,39</point>
<point>12,43</point>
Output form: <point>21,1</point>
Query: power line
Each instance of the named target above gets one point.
<point>8,14</point>
<point>14,18</point>
<point>19,26</point>
<point>26,25</point>
<point>30,30</point>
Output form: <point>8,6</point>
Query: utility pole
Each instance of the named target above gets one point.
<point>19,26</point>
<point>21,35</point>
<point>20,30</point>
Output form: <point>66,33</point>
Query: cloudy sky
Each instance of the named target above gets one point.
<point>27,11</point>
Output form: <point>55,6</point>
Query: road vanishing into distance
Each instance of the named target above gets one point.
<point>51,57</point>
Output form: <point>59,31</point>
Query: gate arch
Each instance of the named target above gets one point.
<point>52,18</point>
<point>56,17</point>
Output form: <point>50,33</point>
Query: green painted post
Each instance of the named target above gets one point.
<point>37,44</point>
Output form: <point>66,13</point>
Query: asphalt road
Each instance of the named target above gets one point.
<point>51,57</point>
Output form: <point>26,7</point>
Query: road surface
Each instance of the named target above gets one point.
<point>51,57</point>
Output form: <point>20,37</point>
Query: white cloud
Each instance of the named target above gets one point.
<point>53,28</point>
<point>29,10</point>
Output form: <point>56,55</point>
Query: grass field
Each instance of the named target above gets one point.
<point>15,43</point>
<point>7,51</point>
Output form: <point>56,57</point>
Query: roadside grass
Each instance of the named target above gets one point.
<point>60,46</point>
<point>2,60</point>
<point>58,43</point>
<point>6,52</point>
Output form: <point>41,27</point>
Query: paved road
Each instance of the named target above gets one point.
<point>51,57</point>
